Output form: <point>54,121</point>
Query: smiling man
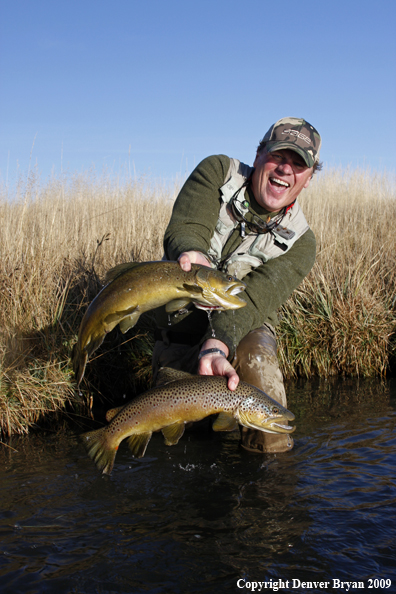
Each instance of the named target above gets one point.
<point>246,221</point>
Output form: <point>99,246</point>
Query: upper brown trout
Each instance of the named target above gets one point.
<point>179,399</point>
<point>137,287</point>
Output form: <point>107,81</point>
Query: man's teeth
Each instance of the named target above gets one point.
<point>279,182</point>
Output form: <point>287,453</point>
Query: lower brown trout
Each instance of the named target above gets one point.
<point>137,287</point>
<point>178,399</point>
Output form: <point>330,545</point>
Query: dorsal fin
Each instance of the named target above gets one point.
<point>166,375</point>
<point>120,269</point>
<point>112,412</point>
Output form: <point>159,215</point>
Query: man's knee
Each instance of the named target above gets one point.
<point>256,363</point>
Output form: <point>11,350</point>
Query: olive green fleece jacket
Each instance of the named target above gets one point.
<point>191,227</point>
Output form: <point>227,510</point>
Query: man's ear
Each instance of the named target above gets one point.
<point>308,181</point>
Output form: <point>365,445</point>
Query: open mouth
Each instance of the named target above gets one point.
<point>278,183</point>
<point>286,428</point>
<point>228,297</point>
<point>235,290</point>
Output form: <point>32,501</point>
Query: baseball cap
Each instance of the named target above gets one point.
<point>297,135</point>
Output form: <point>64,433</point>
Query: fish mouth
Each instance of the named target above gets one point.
<point>272,427</point>
<point>283,428</point>
<point>226,299</point>
<point>273,424</point>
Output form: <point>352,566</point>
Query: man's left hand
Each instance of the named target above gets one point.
<point>216,364</point>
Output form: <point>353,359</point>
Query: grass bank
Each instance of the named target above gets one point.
<point>59,237</point>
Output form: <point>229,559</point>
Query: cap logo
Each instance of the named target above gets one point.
<point>298,134</point>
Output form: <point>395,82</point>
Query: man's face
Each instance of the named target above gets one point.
<point>278,178</point>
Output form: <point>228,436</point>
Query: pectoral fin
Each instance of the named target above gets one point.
<point>194,289</point>
<point>225,422</point>
<point>138,443</point>
<point>176,304</point>
<point>173,433</point>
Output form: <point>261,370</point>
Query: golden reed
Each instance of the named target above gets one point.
<point>59,237</point>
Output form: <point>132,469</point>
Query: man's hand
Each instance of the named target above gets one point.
<point>216,364</point>
<point>212,363</point>
<point>187,258</point>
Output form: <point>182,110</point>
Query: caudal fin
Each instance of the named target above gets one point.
<point>98,449</point>
<point>81,351</point>
<point>79,360</point>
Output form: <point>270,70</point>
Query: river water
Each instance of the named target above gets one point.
<point>206,516</point>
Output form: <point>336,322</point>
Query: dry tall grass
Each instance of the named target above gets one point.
<point>342,318</point>
<point>59,237</point>
<point>57,241</point>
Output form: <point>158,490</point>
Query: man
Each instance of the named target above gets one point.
<point>246,221</point>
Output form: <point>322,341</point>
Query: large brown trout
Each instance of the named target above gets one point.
<point>178,399</point>
<point>137,287</point>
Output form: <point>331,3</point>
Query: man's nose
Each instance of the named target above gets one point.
<point>286,166</point>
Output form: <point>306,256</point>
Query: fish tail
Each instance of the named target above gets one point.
<point>81,354</point>
<point>79,361</point>
<point>99,450</point>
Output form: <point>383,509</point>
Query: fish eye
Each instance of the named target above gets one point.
<point>275,410</point>
<point>230,278</point>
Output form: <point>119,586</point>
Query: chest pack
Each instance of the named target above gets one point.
<point>255,248</point>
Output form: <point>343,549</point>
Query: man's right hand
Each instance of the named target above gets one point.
<point>187,258</point>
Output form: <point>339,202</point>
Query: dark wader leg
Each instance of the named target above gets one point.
<point>183,357</point>
<point>256,363</point>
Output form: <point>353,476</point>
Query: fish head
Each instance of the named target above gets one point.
<point>218,290</point>
<point>265,414</point>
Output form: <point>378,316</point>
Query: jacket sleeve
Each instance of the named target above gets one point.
<point>267,287</point>
<point>196,209</point>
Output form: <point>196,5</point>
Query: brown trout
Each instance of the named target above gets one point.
<point>137,287</point>
<point>178,399</point>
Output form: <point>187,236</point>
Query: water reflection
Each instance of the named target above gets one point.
<point>198,516</point>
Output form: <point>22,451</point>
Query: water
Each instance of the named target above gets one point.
<point>206,516</point>
<point>208,311</point>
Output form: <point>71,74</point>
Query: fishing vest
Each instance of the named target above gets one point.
<point>255,249</point>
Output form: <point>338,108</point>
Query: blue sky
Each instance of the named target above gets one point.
<point>157,85</point>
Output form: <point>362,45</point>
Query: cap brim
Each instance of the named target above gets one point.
<point>276,145</point>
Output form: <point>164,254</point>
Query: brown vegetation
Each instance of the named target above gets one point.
<point>59,238</point>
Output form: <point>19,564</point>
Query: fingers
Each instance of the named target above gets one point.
<point>216,364</point>
<point>192,257</point>
<point>185,261</point>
